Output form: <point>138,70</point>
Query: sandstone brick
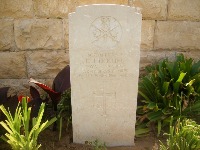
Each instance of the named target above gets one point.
<point>39,34</point>
<point>46,64</point>
<point>16,8</point>
<point>152,9</point>
<point>184,10</point>
<point>151,57</point>
<point>52,8</point>
<point>6,34</point>
<point>86,2</point>
<point>66,33</point>
<point>73,5</point>
<point>177,35</point>
<point>193,54</point>
<point>12,65</point>
<point>147,34</point>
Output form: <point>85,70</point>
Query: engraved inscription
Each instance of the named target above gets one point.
<point>103,96</point>
<point>104,64</point>
<point>105,32</point>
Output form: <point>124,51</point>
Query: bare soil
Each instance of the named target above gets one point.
<point>49,140</point>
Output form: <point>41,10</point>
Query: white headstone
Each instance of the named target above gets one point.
<point>104,47</point>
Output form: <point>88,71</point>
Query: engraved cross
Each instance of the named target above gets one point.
<point>104,96</point>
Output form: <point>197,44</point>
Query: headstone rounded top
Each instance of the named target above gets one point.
<point>83,7</point>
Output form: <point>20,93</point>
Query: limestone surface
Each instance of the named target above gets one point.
<point>147,34</point>
<point>184,10</point>
<point>13,65</point>
<point>66,33</point>
<point>46,64</point>
<point>38,34</point>
<point>177,35</point>
<point>86,2</point>
<point>52,8</point>
<point>6,34</point>
<point>152,9</point>
<point>16,9</point>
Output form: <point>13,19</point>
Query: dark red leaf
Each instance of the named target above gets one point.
<point>55,96</point>
<point>60,84</point>
<point>3,94</point>
<point>12,103</point>
<point>62,80</point>
<point>8,102</point>
<point>43,86</point>
<point>34,92</point>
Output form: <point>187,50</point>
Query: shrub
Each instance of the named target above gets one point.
<point>170,88</point>
<point>19,135</point>
<point>64,110</point>
<point>61,83</point>
<point>185,135</point>
<point>63,114</point>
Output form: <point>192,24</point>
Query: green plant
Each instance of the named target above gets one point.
<point>170,88</point>
<point>141,130</point>
<point>19,133</point>
<point>185,135</point>
<point>97,145</point>
<point>64,110</point>
<point>61,83</point>
<point>64,113</point>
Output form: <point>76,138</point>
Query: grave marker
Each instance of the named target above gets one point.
<point>104,47</point>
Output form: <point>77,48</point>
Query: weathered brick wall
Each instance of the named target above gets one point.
<point>34,35</point>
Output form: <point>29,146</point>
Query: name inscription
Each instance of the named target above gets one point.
<point>104,64</point>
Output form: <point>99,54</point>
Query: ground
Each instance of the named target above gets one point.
<point>49,141</point>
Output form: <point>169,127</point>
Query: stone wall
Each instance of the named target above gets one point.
<point>34,35</point>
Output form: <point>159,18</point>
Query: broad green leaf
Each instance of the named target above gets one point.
<point>165,88</point>
<point>151,105</point>
<point>173,69</point>
<point>154,116</point>
<point>6,127</point>
<point>143,95</point>
<point>40,114</point>
<point>159,127</point>
<point>49,123</point>
<point>195,68</point>
<point>5,112</point>
<point>190,83</point>
<point>167,111</point>
<point>60,128</point>
<point>176,85</point>
<point>141,132</point>
<point>148,87</point>
<point>194,107</point>
<point>181,76</point>
<point>4,138</point>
